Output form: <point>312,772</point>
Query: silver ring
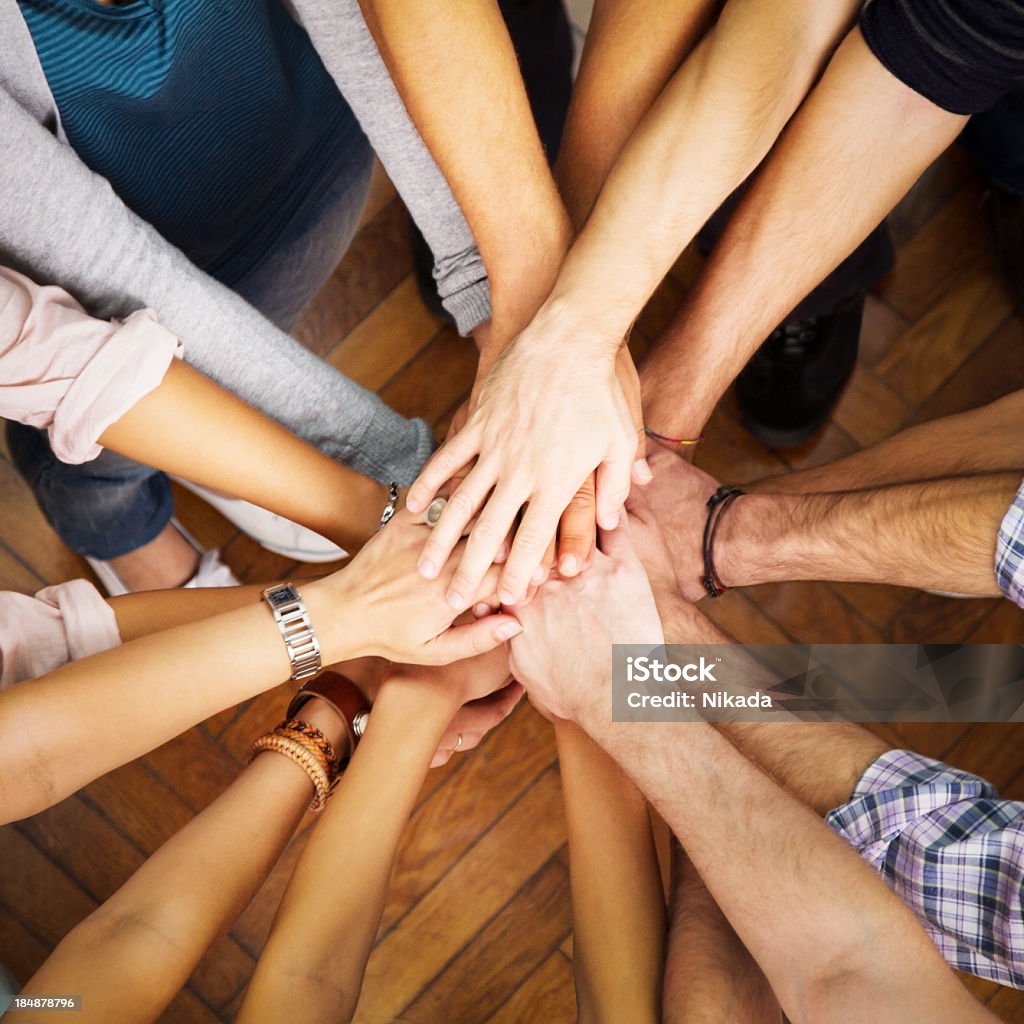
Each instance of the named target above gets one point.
<point>434,511</point>
<point>458,743</point>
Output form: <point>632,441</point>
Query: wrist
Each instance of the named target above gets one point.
<point>757,541</point>
<point>333,609</point>
<point>564,326</point>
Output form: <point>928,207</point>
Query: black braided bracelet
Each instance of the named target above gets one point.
<point>717,504</point>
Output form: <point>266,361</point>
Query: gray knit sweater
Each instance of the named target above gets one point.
<point>62,224</point>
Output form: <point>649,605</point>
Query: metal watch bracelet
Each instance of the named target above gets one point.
<point>289,611</point>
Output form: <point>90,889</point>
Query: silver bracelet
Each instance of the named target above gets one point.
<point>292,619</point>
<point>390,507</point>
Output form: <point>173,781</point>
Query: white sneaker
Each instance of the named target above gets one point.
<point>268,529</point>
<point>212,572</point>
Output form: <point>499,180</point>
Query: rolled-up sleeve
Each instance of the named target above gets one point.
<point>69,373</point>
<point>57,625</point>
<point>963,55</point>
<point>952,851</point>
<point>1010,550</point>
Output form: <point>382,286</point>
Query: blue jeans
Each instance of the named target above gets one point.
<point>112,505</point>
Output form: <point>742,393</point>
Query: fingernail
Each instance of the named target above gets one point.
<point>540,575</point>
<point>642,471</point>
<point>414,504</point>
<point>569,566</point>
<point>426,569</point>
<point>481,610</point>
<point>509,630</point>
<point>609,522</point>
<point>456,600</point>
<point>506,598</point>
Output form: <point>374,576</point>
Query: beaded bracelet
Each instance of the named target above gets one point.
<point>308,760</point>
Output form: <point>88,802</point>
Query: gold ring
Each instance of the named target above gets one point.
<point>458,743</point>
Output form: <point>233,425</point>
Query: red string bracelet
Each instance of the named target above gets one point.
<point>672,440</point>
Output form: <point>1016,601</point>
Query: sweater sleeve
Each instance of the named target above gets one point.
<point>68,373</point>
<point>350,54</point>
<point>963,55</point>
<point>60,222</point>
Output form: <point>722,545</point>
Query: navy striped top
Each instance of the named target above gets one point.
<point>214,120</point>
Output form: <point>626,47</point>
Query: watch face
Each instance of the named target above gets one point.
<point>282,595</point>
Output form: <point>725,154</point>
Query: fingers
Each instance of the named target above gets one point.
<point>475,720</point>
<point>443,465</point>
<point>471,639</point>
<point>460,509</point>
<point>577,531</point>
<point>484,543</point>
<point>613,481</point>
<point>531,541</point>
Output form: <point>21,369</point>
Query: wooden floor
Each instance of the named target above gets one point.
<point>477,926</point>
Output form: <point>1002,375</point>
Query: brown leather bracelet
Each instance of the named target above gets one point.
<point>344,696</point>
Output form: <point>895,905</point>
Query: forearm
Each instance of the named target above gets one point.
<point>631,51</point>
<point>130,957</point>
<point>775,870</point>
<point>618,903</point>
<point>710,977</point>
<point>785,237</point>
<point>458,74</point>
<point>887,535</point>
<point>144,693</point>
<point>707,131</point>
<point>313,963</point>
<point>983,440</point>
<point>191,427</point>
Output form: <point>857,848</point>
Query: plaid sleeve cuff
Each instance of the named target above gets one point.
<point>1010,551</point>
<point>952,851</point>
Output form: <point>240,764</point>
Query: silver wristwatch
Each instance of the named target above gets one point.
<point>293,620</point>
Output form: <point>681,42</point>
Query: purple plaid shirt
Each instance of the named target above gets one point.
<point>952,851</point>
<point>1010,551</point>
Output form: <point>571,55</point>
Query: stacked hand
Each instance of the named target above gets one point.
<point>543,425</point>
<point>569,627</point>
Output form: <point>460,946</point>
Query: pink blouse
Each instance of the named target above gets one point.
<point>59,624</point>
<point>69,373</point>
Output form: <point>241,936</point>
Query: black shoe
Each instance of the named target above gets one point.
<point>791,384</point>
<point>1004,221</point>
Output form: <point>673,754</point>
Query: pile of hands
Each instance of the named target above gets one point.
<point>564,528</point>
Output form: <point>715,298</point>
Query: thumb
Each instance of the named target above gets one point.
<point>479,637</point>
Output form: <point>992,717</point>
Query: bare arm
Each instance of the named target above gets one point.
<point>146,692</point>
<point>312,966</point>
<point>983,440</point>
<point>457,71</point>
<point>710,977</point>
<point>886,535</point>
<point>786,237</point>
<point>130,957</point>
<point>192,427</point>
<point>707,131</point>
<point>618,906</point>
<point>830,938</point>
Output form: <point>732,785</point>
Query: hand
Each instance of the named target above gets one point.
<point>399,616</point>
<point>547,417</point>
<point>564,652</point>
<point>577,531</point>
<point>667,520</point>
<point>481,688</point>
